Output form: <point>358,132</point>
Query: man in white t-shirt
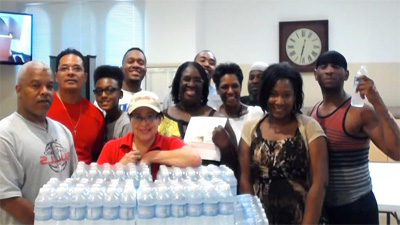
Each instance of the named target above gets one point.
<point>33,147</point>
<point>134,68</point>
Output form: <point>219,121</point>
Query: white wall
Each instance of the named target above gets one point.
<point>245,31</point>
<point>365,31</point>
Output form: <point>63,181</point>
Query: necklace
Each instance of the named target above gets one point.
<point>69,118</point>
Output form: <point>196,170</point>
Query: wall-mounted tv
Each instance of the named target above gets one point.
<point>15,38</point>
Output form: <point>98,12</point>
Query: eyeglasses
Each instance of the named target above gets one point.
<point>139,118</point>
<point>66,68</point>
<point>108,90</point>
<point>196,80</point>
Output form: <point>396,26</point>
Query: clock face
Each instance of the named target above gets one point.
<point>303,46</point>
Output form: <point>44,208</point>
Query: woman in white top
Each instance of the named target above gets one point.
<point>228,79</point>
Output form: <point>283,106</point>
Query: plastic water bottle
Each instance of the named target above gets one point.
<point>194,204</point>
<point>229,177</point>
<point>215,172</point>
<point>94,174</point>
<point>191,174</point>
<point>106,175</point>
<point>239,215</point>
<point>134,175</point>
<point>163,174</point>
<point>120,175</point>
<point>61,206</point>
<point>77,208</point>
<point>178,206</point>
<point>356,99</point>
<point>204,173</point>
<point>178,173</point>
<point>145,204</point>
<point>210,207</point>
<point>81,171</point>
<point>146,176</point>
<point>127,205</point>
<point>43,210</point>
<point>111,204</point>
<point>163,205</point>
<point>94,205</point>
<point>226,204</point>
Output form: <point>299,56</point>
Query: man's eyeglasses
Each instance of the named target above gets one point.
<point>108,90</point>
<point>66,68</point>
<point>139,118</point>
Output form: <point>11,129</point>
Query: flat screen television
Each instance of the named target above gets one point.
<point>15,38</point>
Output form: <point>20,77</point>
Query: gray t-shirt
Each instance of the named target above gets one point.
<point>118,128</point>
<point>30,155</point>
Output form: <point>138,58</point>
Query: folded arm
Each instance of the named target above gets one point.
<point>181,157</point>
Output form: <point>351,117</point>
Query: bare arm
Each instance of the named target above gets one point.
<point>245,184</point>
<point>319,180</point>
<point>19,208</point>
<point>182,157</point>
<point>379,124</point>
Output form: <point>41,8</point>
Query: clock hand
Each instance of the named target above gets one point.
<point>302,50</point>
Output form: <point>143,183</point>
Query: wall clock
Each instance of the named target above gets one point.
<point>302,42</point>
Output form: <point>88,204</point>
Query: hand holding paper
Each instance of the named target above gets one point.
<point>220,137</point>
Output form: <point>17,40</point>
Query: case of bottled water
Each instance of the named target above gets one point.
<point>117,194</point>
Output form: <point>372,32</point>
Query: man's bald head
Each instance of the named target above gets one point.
<point>35,86</point>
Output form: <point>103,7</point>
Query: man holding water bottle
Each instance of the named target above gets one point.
<point>349,198</point>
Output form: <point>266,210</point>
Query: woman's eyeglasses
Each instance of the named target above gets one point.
<point>139,118</point>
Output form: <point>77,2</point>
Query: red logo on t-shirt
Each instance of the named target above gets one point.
<point>56,156</point>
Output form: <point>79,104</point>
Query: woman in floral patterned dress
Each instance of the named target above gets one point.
<point>283,156</point>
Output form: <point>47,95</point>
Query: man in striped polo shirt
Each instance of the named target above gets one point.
<point>349,198</point>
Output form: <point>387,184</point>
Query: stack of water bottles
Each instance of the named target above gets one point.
<point>249,211</point>
<point>110,194</point>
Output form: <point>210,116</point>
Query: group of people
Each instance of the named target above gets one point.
<point>306,169</point>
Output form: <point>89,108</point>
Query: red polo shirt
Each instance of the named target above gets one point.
<point>115,149</point>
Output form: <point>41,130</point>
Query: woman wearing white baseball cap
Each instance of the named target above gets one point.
<point>145,143</point>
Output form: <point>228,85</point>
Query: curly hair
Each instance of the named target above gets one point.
<point>277,72</point>
<point>106,71</point>
<point>227,68</point>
